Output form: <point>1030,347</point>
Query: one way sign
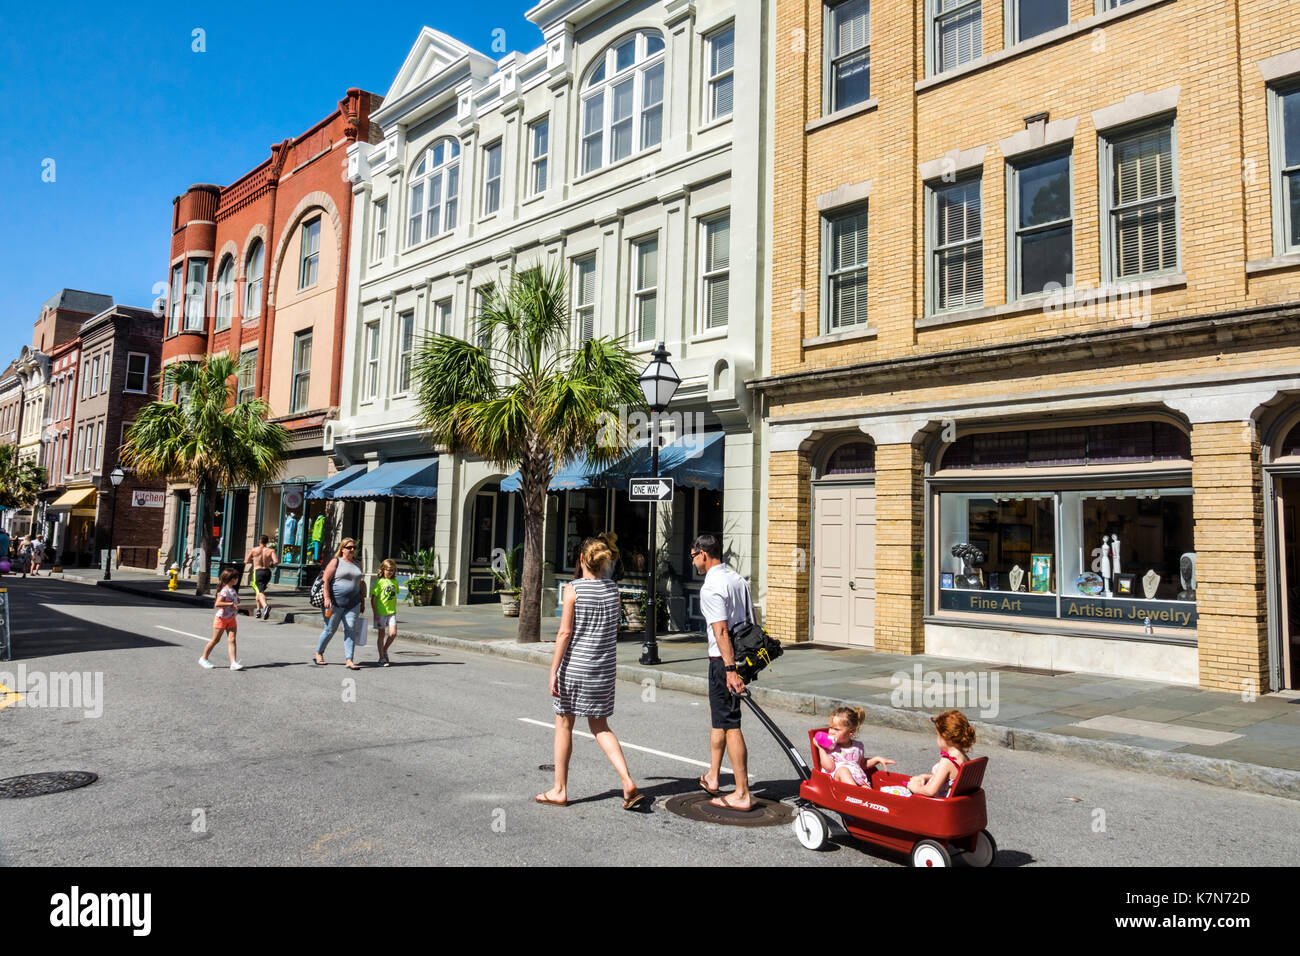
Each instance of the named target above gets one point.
<point>650,489</point>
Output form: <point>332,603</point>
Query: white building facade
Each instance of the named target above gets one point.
<point>630,150</point>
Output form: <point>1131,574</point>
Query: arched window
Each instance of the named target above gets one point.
<point>851,458</point>
<point>225,292</point>
<point>253,281</point>
<point>623,101</point>
<point>1291,443</point>
<point>435,187</point>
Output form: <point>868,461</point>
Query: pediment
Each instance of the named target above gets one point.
<point>431,55</point>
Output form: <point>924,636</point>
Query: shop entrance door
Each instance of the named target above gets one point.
<point>182,530</point>
<point>1288,571</point>
<point>844,564</point>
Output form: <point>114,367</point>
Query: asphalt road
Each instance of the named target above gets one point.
<point>436,760</point>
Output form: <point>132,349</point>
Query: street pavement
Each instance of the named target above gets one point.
<point>436,759</point>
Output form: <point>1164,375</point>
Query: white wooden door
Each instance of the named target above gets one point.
<point>844,564</point>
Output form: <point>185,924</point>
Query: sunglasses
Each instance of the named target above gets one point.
<point>349,547</point>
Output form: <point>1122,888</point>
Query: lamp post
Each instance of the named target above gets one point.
<point>115,476</point>
<point>659,383</point>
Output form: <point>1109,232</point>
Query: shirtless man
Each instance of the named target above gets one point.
<point>263,559</point>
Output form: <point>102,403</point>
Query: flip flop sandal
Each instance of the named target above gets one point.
<point>728,806</point>
<point>545,801</point>
<point>633,800</point>
<point>705,787</point>
<point>322,662</point>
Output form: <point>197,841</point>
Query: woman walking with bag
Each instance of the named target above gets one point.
<point>582,674</point>
<point>343,600</point>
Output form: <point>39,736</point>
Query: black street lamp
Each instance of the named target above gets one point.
<point>659,383</point>
<point>115,476</point>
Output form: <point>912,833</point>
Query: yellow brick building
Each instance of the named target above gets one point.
<point>1033,381</point>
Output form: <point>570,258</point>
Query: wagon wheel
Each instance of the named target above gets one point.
<point>930,853</point>
<point>986,849</point>
<point>811,828</point>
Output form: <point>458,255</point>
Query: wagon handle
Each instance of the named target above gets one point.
<point>800,767</point>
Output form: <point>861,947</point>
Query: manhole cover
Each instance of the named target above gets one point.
<point>417,653</point>
<point>697,806</point>
<point>39,784</point>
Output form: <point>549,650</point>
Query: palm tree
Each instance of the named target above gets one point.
<point>202,438</point>
<point>20,481</point>
<point>523,396</point>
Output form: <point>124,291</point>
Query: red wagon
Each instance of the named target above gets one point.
<point>930,829</point>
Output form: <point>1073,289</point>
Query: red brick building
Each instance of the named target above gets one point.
<point>258,271</point>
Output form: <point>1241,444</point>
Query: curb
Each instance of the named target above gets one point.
<point>1217,772</point>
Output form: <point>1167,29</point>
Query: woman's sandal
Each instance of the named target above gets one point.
<point>705,787</point>
<point>634,799</point>
<point>547,801</point>
<point>319,660</point>
<point>350,666</point>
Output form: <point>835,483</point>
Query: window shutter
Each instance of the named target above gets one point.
<point>851,25</point>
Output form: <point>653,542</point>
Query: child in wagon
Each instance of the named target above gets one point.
<point>840,754</point>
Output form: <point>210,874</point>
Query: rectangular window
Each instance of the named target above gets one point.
<point>247,376</point>
<point>307,269</point>
<point>845,255</point>
<point>956,239</point>
<point>90,448</point>
<point>539,153</point>
<point>1141,199</point>
<point>492,178</point>
<point>721,47</point>
<point>584,298</point>
<point>405,349</point>
<point>372,360</point>
<point>79,448</point>
<point>652,106</point>
<point>174,307</point>
<point>301,370</point>
<point>225,294</point>
<point>196,295</point>
<point>99,446</point>
<point>645,288</point>
<point>1029,18</point>
<point>105,371</point>
<point>483,301</point>
<point>1042,225</point>
<point>715,271</point>
<point>414,223</point>
<point>955,33</point>
<point>94,377</point>
<point>847,66</point>
<point>442,317</point>
<point>137,372</point>
<point>380,245</point>
<point>1284,131</point>
<point>593,118</point>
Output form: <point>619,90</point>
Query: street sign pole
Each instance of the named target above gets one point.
<point>650,647</point>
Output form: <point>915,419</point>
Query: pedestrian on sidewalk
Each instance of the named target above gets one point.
<point>5,544</point>
<point>725,603</point>
<point>263,558</point>
<point>226,620</point>
<point>343,601</point>
<point>383,602</point>
<point>583,670</point>
<point>38,554</point>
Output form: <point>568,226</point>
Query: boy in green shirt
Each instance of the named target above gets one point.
<point>383,601</point>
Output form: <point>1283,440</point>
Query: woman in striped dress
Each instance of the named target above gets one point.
<point>582,673</point>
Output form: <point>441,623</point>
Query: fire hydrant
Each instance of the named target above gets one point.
<point>172,572</point>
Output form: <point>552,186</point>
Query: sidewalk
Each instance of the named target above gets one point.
<point>1210,736</point>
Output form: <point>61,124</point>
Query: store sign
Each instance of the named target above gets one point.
<point>1094,610</point>
<point>148,499</point>
<point>293,496</point>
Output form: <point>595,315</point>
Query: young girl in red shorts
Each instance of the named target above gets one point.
<point>226,620</point>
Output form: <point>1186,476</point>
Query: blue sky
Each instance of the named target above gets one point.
<point>130,115</point>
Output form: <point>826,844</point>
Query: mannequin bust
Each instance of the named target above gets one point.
<point>1017,577</point>
<point>1150,584</point>
<point>1187,575</point>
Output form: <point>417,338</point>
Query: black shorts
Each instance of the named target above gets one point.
<point>262,578</point>
<point>724,706</point>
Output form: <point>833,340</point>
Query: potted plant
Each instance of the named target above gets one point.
<point>505,569</point>
<point>424,587</point>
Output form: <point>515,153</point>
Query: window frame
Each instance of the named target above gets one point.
<point>247,360</point>
<point>405,352</point>
<point>539,162</point>
<point>1011,22</point>
<point>640,295</point>
<point>933,55</point>
<point>711,80</point>
<point>144,374</point>
<point>1015,267</point>
<point>371,333</point>
<point>174,299</point>
<point>253,285</point>
<point>301,376</point>
<point>642,63</point>
<point>707,276</point>
<point>225,314</point>
<point>492,184</point>
<point>579,305</point>
<point>194,314</point>
<point>446,200</point>
<point>442,316</point>
<point>829,273</point>
<point>1107,140</point>
<point>830,61</point>
<point>379,237</point>
<point>933,188</point>
<point>309,261</point>
<point>1278,170</point>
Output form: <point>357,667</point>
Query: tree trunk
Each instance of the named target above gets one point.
<point>534,481</point>
<point>203,537</point>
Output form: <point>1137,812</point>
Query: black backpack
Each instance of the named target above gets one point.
<point>753,646</point>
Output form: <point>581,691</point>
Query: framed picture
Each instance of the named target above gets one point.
<point>945,579</point>
<point>1123,584</point>
<point>1040,573</point>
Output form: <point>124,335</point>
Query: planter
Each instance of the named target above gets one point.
<point>510,603</point>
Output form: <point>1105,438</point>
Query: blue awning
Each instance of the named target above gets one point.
<point>410,478</point>
<point>330,486</point>
<point>692,461</point>
<point>572,477</point>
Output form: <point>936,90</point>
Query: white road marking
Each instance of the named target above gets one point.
<point>183,633</point>
<point>628,746</point>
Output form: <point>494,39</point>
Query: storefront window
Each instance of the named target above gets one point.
<point>1147,532</point>
<point>270,508</point>
<point>632,525</point>
<point>986,537</point>
<point>584,518</point>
